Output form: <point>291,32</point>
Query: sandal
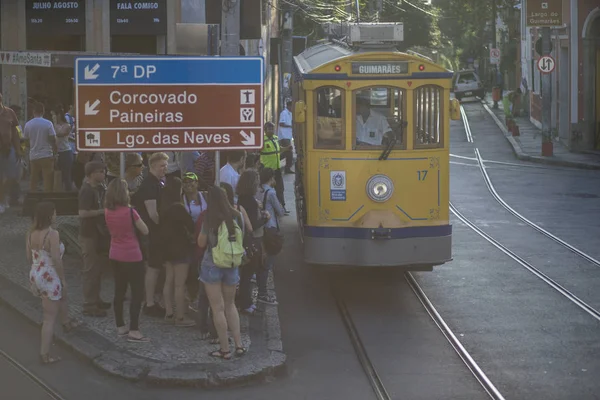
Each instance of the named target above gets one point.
<point>70,325</point>
<point>240,351</point>
<point>47,359</point>
<point>142,339</point>
<point>225,355</point>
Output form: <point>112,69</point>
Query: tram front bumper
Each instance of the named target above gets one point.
<point>413,247</point>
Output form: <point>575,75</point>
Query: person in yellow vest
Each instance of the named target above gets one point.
<point>270,157</point>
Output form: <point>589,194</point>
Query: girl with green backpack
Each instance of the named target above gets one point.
<point>222,235</point>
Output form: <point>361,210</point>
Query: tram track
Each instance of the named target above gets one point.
<point>52,394</point>
<point>375,380</point>
<point>527,265</point>
<point>491,188</point>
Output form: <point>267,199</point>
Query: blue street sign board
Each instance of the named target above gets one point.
<point>170,70</point>
<point>169,103</point>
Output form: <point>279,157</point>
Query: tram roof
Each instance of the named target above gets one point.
<point>315,57</point>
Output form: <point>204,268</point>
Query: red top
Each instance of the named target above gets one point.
<point>124,244</point>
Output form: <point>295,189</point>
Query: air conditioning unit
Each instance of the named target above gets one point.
<point>383,32</point>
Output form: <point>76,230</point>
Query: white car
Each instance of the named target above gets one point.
<point>467,84</point>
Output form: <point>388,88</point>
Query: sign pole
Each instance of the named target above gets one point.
<point>122,165</point>
<point>230,46</point>
<point>547,148</point>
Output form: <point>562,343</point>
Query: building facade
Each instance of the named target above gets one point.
<point>576,79</point>
<point>39,41</point>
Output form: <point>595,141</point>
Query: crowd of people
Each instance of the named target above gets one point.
<point>178,242</point>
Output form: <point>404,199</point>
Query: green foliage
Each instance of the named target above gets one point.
<point>465,25</point>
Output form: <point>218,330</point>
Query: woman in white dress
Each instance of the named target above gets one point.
<point>47,278</point>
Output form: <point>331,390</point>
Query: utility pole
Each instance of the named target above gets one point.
<point>547,147</point>
<point>494,13</point>
<point>230,46</point>
<point>287,54</point>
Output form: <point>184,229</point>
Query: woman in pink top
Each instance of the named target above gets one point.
<point>126,257</point>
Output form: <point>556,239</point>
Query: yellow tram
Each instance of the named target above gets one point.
<point>371,128</point>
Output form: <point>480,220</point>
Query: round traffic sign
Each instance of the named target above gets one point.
<point>546,64</point>
<point>495,53</point>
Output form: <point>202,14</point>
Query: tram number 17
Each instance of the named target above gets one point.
<point>422,174</point>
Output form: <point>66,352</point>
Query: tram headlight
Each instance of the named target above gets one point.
<point>380,188</point>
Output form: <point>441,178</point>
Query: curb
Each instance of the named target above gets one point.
<point>267,363</point>
<point>521,155</point>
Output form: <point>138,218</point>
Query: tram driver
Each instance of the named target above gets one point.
<point>372,128</point>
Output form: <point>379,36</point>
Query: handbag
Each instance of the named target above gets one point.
<point>273,238</point>
<point>142,242</point>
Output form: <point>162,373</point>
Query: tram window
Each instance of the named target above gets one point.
<point>379,116</point>
<point>428,117</point>
<point>329,128</point>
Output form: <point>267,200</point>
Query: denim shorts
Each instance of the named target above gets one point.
<point>210,273</point>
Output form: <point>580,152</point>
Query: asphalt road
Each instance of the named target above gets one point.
<point>530,340</point>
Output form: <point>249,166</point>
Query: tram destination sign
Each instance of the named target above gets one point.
<point>51,18</point>
<point>169,103</point>
<point>380,68</point>
<point>544,13</point>
<point>138,17</point>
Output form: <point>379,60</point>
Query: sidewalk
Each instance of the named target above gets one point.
<point>528,146</point>
<point>176,356</point>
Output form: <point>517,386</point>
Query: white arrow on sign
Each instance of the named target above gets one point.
<point>91,109</point>
<point>249,140</point>
<point>90,73</point>
<point>546,64</point>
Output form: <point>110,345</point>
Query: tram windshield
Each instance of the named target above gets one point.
<point>379,118</point>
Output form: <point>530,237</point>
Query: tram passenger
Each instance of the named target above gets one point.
<point>93,238</point>
<point>10,152</point>
<point>195,205</point>
<point>134,166</point>
<point>187,159</point>
<point>270,158</point>
<point>230,172</point>
<point>173,168</point>
<point>65,154</point>
<point>42,145</point>
<point>220,283</point>
<point>252,162</point>
<point>204,166</point>
<point>147,202</point>
<point>285,136</point>
<point>177,233</point>
<point>273,211</point>
<point>47,276</point>
<point>371,127</point>
<point>125,257</point>
<point>247,190</point>
<point>113,165</point>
